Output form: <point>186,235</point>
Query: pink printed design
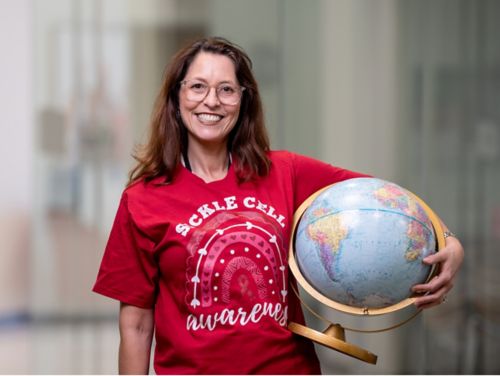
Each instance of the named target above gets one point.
<point>240,276</point>
<point>238,264</point>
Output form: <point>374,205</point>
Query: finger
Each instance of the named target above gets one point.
<point>432,299</point>
<point>435,258</point>
<point>430,303</point>
<point>427,306</point>
<point>444,278</point>
<point>433,285</point>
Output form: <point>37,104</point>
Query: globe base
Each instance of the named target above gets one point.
<point>334,338</point>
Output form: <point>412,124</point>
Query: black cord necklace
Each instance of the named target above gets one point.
<point>185,159</point>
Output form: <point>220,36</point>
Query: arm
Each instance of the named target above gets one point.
<point>136,333</point>
<point>449,259</point>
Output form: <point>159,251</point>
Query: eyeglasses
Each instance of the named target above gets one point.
<point>227,93</point>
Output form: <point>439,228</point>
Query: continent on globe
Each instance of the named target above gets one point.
<point>328,232</point>
<point>393,196</point>
<point>417,241</point>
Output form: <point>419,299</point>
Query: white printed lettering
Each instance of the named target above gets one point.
<point>280,220</point>
<point>182,229</point>
<point>230,202</point>
<point>195,220</point>
<point>229,316</point>
<point>262,207</point>
<point>205,211</point>
<point>249,202</point>
<point>271,212</point>
<point>217,207</point>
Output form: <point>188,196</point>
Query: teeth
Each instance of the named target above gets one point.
<point>209,117</point>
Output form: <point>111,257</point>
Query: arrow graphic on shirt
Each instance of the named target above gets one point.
<point>195,302</point>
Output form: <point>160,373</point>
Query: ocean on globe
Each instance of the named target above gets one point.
<point>361,243</point>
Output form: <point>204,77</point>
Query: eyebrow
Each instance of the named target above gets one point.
<point>219,83</point>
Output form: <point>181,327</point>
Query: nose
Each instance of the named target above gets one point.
<point>212,100</point>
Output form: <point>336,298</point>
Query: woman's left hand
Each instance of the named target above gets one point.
<point>448,260</point>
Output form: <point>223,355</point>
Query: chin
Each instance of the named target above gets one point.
<point>209,139</point>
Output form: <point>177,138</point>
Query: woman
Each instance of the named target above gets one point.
<point>197,252</point>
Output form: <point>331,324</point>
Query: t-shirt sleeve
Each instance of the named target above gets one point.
<point>310,175</point>
<point>128,271</point>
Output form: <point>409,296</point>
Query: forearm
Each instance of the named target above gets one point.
<point>136,335</point>
<point>134,352</point>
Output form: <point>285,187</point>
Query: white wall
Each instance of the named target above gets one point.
<point>254,25</point>
<point>359,131</point>
<point>16,152</point>
<point>358,72</point>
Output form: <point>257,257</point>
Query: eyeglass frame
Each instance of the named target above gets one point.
<point>210,87</point>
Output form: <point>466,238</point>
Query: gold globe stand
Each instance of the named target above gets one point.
<point>334,338</point>
<point>334,335</point>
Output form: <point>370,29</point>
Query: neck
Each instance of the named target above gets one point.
<point>208,164</point>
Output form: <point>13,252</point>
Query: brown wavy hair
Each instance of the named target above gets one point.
<point>248,142</point>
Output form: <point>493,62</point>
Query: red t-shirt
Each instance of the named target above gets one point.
<point>211,260</point>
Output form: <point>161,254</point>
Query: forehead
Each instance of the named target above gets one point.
<point>211,67</point>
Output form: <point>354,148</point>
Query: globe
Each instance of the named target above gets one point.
<point>357,246</point>
<point>361,242</point>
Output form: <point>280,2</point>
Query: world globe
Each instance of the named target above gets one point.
<point>361,243</point>
<point>357,247</point>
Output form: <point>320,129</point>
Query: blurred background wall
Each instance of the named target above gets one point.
<point>407,90</point>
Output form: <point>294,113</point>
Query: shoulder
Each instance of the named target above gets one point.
<point>143,187</point>
<point>294,161</point>
<point>147,204</point>
<point>139,189</point>
<point>143,196</point>
<point>282,157</point>
<point>282,162</point>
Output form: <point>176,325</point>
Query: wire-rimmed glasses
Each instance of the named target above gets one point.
<point>228,93</point>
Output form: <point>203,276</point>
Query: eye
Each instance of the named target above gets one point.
<point>227,89</point>
<point>197,86</point>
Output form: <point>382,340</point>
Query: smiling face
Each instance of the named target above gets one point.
<point>209,121</point>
